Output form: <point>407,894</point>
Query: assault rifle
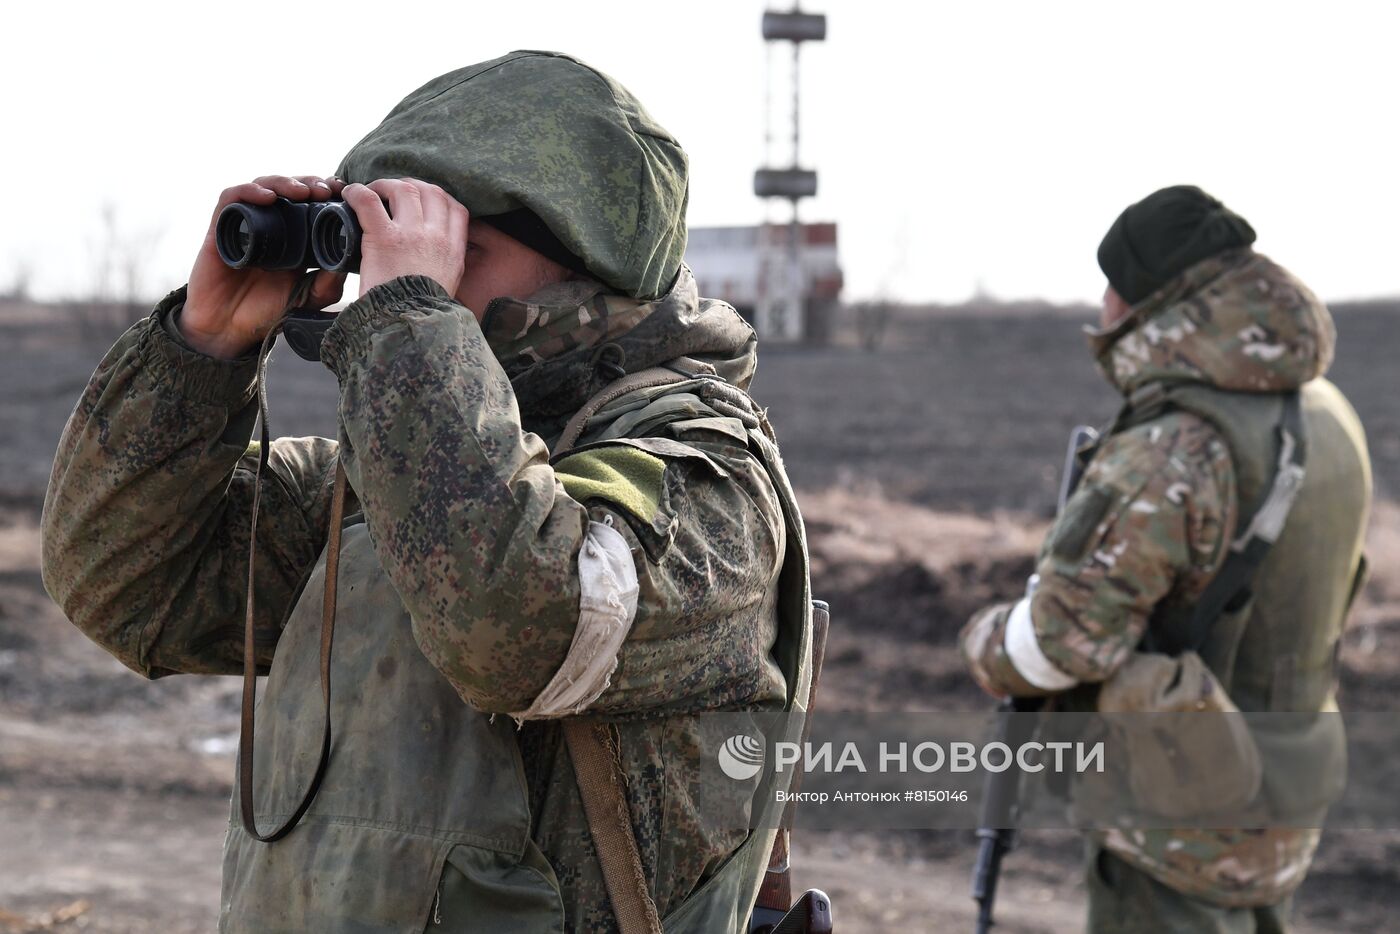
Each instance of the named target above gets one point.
<point>1016,724</point>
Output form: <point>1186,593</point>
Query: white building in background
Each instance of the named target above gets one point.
<point>742,265</point>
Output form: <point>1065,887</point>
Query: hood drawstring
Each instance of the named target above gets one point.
<point>608,361</point>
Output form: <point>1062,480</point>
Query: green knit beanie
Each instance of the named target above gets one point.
<point>1163,235</point>
<point>542,134</point>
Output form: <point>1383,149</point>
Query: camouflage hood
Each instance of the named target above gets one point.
<point>1237,321</point>
<point>566,342</point>
<point>544,132</point>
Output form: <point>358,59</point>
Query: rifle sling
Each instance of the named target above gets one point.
<point>601,786</point>
<point>1231,587</point>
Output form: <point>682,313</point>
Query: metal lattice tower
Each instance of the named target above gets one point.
<point>782,283</point>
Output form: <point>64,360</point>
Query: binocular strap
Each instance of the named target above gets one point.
<point>250,671</point>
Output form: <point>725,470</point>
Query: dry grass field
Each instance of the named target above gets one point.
<point>927,473</point>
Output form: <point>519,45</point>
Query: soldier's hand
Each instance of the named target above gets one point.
<point>423,233</point>
<point>229,311</point>
<point>979,641</point>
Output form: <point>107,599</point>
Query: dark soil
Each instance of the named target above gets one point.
<point>926,469</point>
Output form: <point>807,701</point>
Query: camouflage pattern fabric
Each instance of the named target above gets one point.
<point>1152,515</point>
<point>1237,321</point>
<point>146,519</point>
<point>566,317</point>
<point>543,131</point>
<point>1124,900</point>
<point>1149,527</point>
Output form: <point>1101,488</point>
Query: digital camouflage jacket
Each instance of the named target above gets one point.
<point>476,578</point>
<point>1151,524</point>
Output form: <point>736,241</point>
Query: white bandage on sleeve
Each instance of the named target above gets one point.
<point>607,606</point>
<point>1023,648</point>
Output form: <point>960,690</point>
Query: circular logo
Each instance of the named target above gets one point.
<point>741,757</point>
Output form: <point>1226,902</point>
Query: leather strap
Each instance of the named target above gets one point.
<point>246,735</point>
<point>601,785</point>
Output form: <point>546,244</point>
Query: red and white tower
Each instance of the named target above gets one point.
<point>780,310</point>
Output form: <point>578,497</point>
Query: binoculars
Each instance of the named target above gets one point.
<point>292,235</point>
<point>289,235</point>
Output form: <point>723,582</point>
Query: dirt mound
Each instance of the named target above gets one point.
<point>910,572</point>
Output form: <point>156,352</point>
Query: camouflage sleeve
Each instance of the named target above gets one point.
<point>484,543</point>
<point>144,536</point>
<point>706,614</point>
<point>1149,522</point>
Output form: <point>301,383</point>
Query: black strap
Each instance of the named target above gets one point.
<point>1232,586</point>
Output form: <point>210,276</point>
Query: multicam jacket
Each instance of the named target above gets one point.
<point>1151,525</point>
<point>470,566</point>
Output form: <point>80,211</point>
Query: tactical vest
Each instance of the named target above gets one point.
<point>1276,651</point>
<point>422,821</point>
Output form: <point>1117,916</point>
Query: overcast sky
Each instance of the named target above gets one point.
<point>959,145</point>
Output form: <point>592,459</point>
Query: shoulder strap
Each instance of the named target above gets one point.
<point>1231,587</point>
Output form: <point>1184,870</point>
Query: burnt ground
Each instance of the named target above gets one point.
<point>926,470</point>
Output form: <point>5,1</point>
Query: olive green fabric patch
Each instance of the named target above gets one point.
<point>1082,515</point>
<point>621,475</point>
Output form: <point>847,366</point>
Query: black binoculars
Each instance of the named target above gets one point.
<point>292,235</point>
<point>289,235</point>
